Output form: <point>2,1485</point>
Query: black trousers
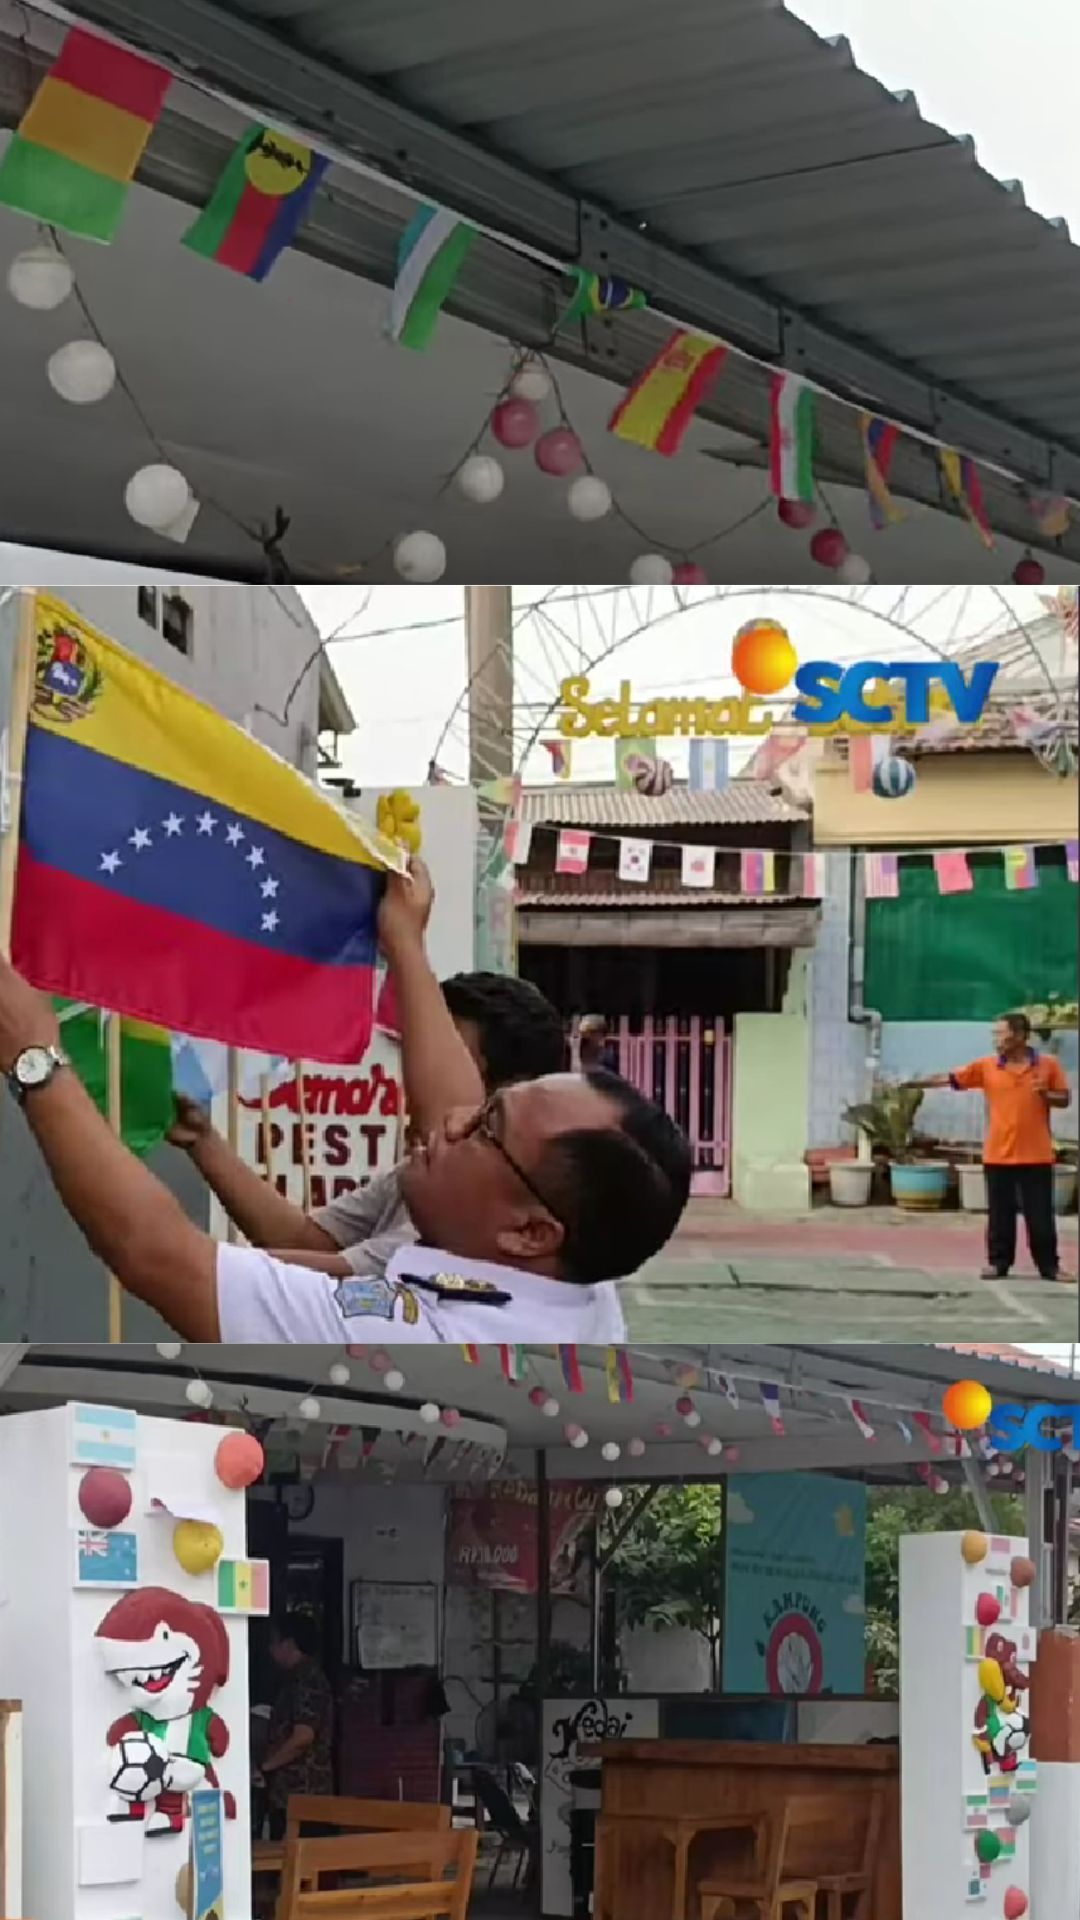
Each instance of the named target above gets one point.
<point>1011,1191</point>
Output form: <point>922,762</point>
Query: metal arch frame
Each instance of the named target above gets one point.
<point>250,64</point>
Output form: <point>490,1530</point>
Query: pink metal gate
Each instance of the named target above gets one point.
<point>683,1062</point>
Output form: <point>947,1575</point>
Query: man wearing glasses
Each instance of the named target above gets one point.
<point>527,1206</point>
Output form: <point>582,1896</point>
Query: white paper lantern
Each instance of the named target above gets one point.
<point>430,1413</point>
<point>579,1438</point>
<point>614,1497</point>
<point>169,1349</point>
<point>610,1450</point>
<point>550,1407</point>
<point>394,1380</point>
<point>309,1408</point>
<point>40,278</point>
<point>588,497</point>
<point>481,479</point>
<point>198,1393</point>
<point>713,1446</point>
<point>532,382</point>
<point>339,1374</point>
<point>693,1418</point>
<point>157,496</point>
<point>82,372</point>
<point>854,570</point>
<point>651,570</point>
<point>420,558</point>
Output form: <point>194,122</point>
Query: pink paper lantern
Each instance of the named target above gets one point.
<point>104,1497</point>
<point>239,1461</point>
<point>689,574</point>
<point>829,548</point>
<point>573,1432</point>
<point>663,1431</point>
<point>559,452</point>
<point>732,1454</point>
<point>380,1362</point>
<point>451,1417</point>
<point>1029,572</point>
<point>515,423</point>
<point>799,514</point>
<point>684,1405</point>
<point>537,1396</point>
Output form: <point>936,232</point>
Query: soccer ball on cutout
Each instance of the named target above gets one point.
<point>140,1769</point>
<point>893,778</point>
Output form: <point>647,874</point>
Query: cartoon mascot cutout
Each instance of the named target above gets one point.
<point>169,1656</point>
<point>1001,1725</point>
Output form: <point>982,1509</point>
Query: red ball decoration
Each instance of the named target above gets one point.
<point>104,1497</point>
<point>515,423</point>
<point>799,514</point>
<point>1015,1904</point>
<point>451,1417</point>
<point>829,548</point>
<point>1029,572</point>
<point>684,1405</point>
<point>537,1396</point>
<point>689,574</point>
<point>239,1460</point>
<point>987,1609</point>
<point>559,452</point>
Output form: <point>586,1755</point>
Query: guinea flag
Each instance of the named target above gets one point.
<point>259,202</point>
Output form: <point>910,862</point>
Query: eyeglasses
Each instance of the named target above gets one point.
<point>486,1127</point>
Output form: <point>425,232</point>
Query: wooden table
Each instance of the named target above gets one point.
<point>664,1800</point>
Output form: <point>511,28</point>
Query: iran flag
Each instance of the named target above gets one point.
<point>791,439</point>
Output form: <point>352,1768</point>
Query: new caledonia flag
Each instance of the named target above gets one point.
<point>259,202</point>
<point>176,871</point>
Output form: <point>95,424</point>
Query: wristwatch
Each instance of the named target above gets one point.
<point>34,1068</point>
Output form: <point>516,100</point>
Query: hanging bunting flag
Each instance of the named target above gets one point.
<point>698,866</point>
<point>432,253</point>
<point>905,1430</point>
<point>879,445</point>
<point>1072,859</point>
<point>620,1378</point>
<point>571,1369</point>
<point>660,405</point>
<point>517,841</point>
<point>512,1361</point>
<point>813,876</point>
<point>953,873</point>
<point>471,1356</point>
<point>559,751</point>
<point>1065,606</point>
<point>882,876</point>
<point>370,1441</point>
<point>72,158</point>
<point>1050,513</point>
<point>335,1440</point>
<point>728,1388</point>
<point>757,871</point>
<point>709,766</point>
<point>791,438</point>
<point>770,1400</point>
<point>597,293</point>
<point>963,482</point>
<point>504,792</point>
<point>925,1424</point>
<point>572,851</point>
<point>1020,869</point>
<point>858,1414</point>
<point>628,757</point>
<point>256,209</point>
<point>866,751</point>
<point>635,859</point>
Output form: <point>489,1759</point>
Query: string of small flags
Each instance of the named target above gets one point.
<point>952,868</point>
<point>698,865</point>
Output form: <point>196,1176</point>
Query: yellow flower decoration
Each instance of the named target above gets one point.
<point>397,817</point>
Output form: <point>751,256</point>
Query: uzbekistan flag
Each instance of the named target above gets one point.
<point>879,445</point>
<point>431,255</point>
<point>791,438</point>
<point>73,157</point>
<point>963,482</point>
<point>173,869</point>
<point>259,202</point>
<point>660,405</point>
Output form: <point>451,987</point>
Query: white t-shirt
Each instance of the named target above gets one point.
<point>425,1296</point>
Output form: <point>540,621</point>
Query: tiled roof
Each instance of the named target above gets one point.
<point>740,803</point>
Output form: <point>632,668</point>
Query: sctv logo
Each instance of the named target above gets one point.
<point>1048,1427</point>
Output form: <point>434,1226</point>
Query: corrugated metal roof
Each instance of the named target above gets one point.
<point>570,890</point>
<point>740,803</point>
<point>734,133</point>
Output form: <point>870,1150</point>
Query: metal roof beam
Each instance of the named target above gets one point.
<point>251,65</point>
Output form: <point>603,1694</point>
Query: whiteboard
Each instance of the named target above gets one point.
<point>397,1625</point>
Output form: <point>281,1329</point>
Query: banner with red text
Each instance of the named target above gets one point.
<point>492,1541</point>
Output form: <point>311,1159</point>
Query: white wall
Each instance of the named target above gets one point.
<point>672,1660</point>
<point>448,822</point>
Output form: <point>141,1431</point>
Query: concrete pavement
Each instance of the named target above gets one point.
<point>874,1274</point>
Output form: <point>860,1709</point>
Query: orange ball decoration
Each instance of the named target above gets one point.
<point>763,659</point>
<point>1022,1571</point>
<point>239,1460</point>
<point>966,1405</point>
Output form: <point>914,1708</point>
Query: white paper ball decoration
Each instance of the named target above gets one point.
<point>610,1450</point>
<point>339,1374</point>
<point>420,558</point>
<point>588,497</point>
<point>481,479</point>
<point>635,1448</point>
<point>531,382</point>
<point>393,1380</point>
<point>309,1408</point>
<point>82,372</point>
<point>169,1349</point>
<point>157,496</point>
<point>651,570</point>
<point>198,1393</point>
<point>614,1497</point>
<point>579,1438</point>
<point>40,278</point>
<point>855,570</point>
<point>430,1414</point>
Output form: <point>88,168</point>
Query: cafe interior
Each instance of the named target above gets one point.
<point>453,1522</point>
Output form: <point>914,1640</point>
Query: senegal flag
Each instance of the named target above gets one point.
<point>146,1075</point>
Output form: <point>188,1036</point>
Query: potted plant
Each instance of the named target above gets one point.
<point>918,1184</point>
<point>850,1182</point>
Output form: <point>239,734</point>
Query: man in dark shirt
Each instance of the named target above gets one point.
<point>299,1745</point>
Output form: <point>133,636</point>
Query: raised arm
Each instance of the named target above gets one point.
<point>264,1216</point>
<point>440,1072</point>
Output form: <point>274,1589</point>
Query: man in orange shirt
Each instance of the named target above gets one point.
<point>1020,1087</point>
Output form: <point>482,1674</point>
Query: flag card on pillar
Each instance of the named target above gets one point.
<point>572,851</point>
<point>106,1559</point>
<point>698,866</point>
<point>243,1586</point>
<point>103,1437</point>
<point>709,765</point>
<point>635,859</point>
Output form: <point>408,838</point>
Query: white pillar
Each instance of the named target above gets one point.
<point>948,1798</point>
<point>59,1578</point>
<point>1055,1738</point>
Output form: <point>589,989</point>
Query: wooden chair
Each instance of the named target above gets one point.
<point>353,1816</point>
<point>407,1876</point>
<point>860,1846</point>
<point>778,1884</point>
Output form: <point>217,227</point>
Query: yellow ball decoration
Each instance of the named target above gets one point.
<point>184,1888</point>
<point>197,1545</point>
<point>397,816</point>
<point>991,1680</point>
<point>974,1547</point>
